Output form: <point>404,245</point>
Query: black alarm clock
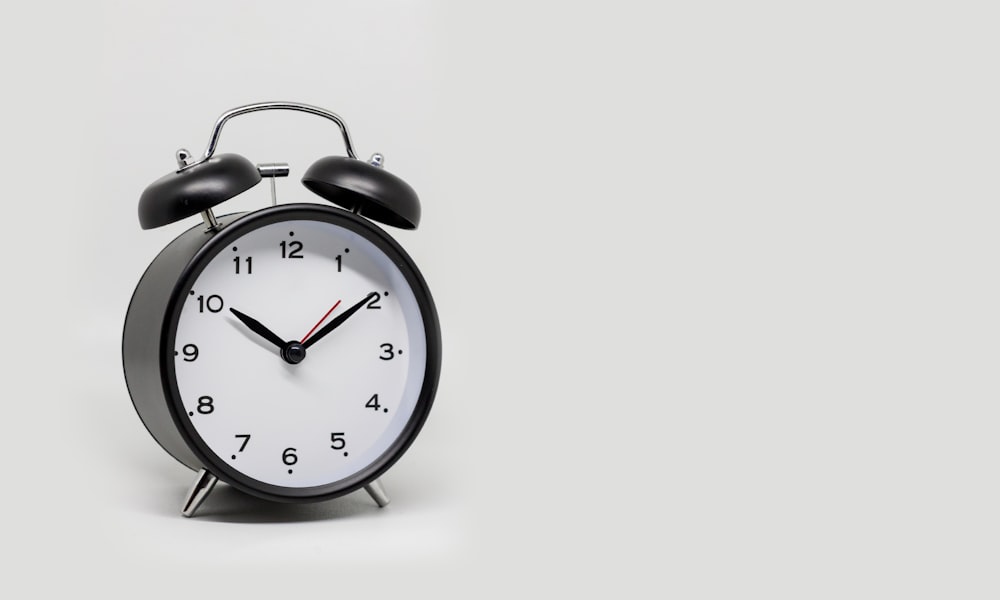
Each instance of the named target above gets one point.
<point>292,352</point>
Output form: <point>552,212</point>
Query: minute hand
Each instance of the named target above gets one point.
<point>338,321</point>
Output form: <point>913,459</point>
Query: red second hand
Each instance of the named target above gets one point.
<point>316,326</point>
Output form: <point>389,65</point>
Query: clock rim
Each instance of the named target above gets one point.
<point>210,249</point>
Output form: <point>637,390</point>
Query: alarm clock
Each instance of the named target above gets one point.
<point>292,352</point>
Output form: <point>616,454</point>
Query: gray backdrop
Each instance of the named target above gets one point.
<point>717,284</point>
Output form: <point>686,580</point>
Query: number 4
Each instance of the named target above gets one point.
<point>374,405</point>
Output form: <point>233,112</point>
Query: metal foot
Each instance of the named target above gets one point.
<point>202,487</point>
<point>377,492</point>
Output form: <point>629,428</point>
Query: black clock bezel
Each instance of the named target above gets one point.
<point>224,238</point>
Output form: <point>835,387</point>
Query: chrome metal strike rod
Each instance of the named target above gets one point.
<point>272,171</point>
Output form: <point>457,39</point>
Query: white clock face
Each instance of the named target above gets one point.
<point>260,406</point>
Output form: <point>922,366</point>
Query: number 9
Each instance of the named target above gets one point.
<point>190,353</point>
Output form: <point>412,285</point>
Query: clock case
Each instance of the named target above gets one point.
<point>148,341</point>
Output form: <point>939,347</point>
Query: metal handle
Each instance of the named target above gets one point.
<point>249,108</point>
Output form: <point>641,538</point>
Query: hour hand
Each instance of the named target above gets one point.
<point>256,327</point>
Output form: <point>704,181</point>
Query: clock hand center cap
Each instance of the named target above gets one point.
<point>293,353</point>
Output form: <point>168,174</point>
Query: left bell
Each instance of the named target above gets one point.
<point>197,188</point>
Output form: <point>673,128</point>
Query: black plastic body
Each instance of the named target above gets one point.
<point>151,325</point>
<point>368,190</point>
<point>180,194</point>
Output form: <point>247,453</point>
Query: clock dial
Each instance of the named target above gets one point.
<point>299,353</point>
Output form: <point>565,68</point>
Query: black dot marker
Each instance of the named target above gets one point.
<point>291,233</point>
<point>387,293</point>
<point>234,248</point>
<point>175,353</point>
<point>385,410</point>
<point>400,351</point>
<point>289,471</point>
<point>192,292</point>
<point>190,414</point>
<point>234,457</point>
<point>345,454</point>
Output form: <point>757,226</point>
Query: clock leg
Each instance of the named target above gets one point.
<point>377,492</point>
<point>202,487</point>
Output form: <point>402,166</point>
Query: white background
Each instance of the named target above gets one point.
<point>717,281</point>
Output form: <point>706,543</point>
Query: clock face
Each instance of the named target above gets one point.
<point>300,352</point>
